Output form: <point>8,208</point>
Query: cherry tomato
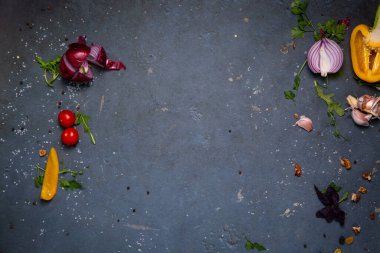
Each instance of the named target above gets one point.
<point>70,136</point>
<point>66,118</point>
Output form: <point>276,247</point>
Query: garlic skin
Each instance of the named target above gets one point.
<point>360,118</point>
<point>305,123</point>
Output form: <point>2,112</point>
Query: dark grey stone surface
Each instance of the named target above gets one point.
<point>198,120</point>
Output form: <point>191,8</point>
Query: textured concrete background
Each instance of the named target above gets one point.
<point>195,145</point>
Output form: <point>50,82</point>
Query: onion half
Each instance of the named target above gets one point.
<point>324,57</point>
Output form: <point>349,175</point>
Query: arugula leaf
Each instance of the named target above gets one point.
<point>73,173</point>
<point>50,66</point>
<point>70,184</point>
<point>83,119</point>
<point>332,106</point>
<point>289,94</point>
<point>252,246</point>
<point>38,180</point>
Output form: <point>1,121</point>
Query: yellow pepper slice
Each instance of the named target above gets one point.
<point>365,50</point>
<point>50,183</point>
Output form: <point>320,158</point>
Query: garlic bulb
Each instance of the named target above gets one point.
<point>324,57</point>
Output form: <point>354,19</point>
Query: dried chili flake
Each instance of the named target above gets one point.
<point>367,176</point>
<point>356,230</point>
<point>355,197</point>
<point>362,190</point>
<point>372,215</point>
<point>344,162</point>
<point>349,240</point>
<point>297,170</point>
<point>42,152</point>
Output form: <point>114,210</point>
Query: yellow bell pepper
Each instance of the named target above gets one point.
<point>365,50</point>
<point>50,182</point>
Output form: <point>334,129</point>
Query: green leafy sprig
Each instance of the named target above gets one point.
<point>331,29</point>
<point>333,108</point>
<point>51,67</point>
<point>291,94</point>
<point>64,183</point>
<point>83,119</point>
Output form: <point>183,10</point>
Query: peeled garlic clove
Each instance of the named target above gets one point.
<point>305,123</point>
<point>360,118</point>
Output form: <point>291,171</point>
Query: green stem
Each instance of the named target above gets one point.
<point>302,67</point>
<point>309,21</point>
<point>377,20</point>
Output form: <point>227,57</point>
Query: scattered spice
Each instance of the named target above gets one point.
<point>356,230</point>
<point>338,251</point>
<point>296,116</point>
<point>355,197</point>
<point>297,170</point>
<point>362,190</point>
<point>367,176</point>
<point>372,215</point>
<point>42,152</point>
<point>344,162</point>
<point>349,240</point>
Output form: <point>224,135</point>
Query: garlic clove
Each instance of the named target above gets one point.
<point>360,118</point>
<point>305,123</point>
<point>365,102</point>
<point>375,108</point>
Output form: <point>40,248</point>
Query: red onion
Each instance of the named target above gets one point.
<point>324,57</point>
<point>75,66</point>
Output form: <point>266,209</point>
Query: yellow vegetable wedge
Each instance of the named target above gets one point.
<point>50,183</point>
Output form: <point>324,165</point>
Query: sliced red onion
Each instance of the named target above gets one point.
<point>75,66</point>
<point>324,57</point>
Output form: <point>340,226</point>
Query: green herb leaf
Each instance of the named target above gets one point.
<point>252,246</point>
<point>51,67</point>
<point>289,95</point>
<point>70,184</point>
<point>297,81</point>
<point>73,173</point>
<point>344,197</point>
<point>332,106</point>
<point>298,7</point>
<point>297,33</point>
<point>83,120</point>
<point>335,187</point>
<point>38,180</point>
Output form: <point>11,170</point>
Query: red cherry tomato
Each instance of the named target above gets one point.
<point>66,118</point>
<point>70,136</point>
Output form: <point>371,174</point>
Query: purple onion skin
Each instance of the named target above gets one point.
<point>74,63</point>
<point>333,57</point>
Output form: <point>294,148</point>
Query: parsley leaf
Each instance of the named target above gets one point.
<point>50,66</point>
<point>252,246</point>
<point>83,119</point>
<point>297,33</point>
<point>70,184</point>
<point>298,7</point>
<point>73,173</point>
<point>344,197</point>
